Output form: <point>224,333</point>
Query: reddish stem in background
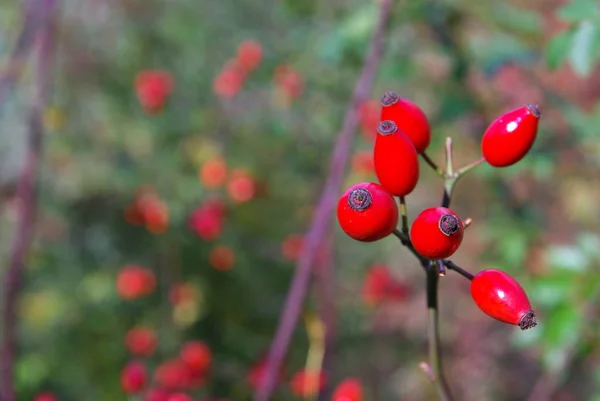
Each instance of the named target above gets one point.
<point>321,222</point>
<point>26,194</point>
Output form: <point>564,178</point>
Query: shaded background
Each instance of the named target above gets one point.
<point>464,62</point>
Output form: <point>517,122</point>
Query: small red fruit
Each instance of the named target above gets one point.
<point>349,389</point>
<point>152,89</point>
<point>141,341</point>
<point>508,139</point>
<point>380,286</point>
<point>46,396</point>
<point>196,355</point>
<point>367,212</point>
<point>307,384</point>
<point>156,394</point>
<point>172,374</point>
<point>179,397</point>
<point>500,296</point>
<point>396,160</point>
<point>134,282</point>
<point>437,233</point>
<point>133,377</point>
<point>409,118</point>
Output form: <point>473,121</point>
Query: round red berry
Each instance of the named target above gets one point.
<point>437,233</point>
<point>500,296</point>
<point>510,137</point>
<point>367,212</point>
<point>349,389</point>
<point>133,377</point>
<point>409,118</point>
<point>396,160</point>
<point>196,355</point>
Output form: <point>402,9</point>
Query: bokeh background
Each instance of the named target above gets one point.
<point>213,193</point>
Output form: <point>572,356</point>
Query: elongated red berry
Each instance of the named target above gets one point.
<point>409,118</point>
<point>437,233</point>
<point>396,160</point>
<point>367,212</point>
<point>510,137</point>
<point>500,296</point>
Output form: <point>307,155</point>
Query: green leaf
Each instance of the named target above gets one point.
<point>584,47</point>
<point>550,291</point>
<point>567,258</point>
<point>517,18</point>
<point>558,49</point>
<point>579,10</point>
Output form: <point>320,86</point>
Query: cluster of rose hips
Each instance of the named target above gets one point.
<point>368,212</point>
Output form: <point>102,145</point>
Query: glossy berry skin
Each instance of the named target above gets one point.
<point>396,160</point>
<point>437,233</point>
<point>510,137</point>
<point>409,118</point>
<point>367,212</point>
<point>350,389</point>
<point>500,296</point>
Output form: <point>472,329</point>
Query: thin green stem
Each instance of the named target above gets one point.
<point>468,167</point>
<point>435,360</point>
<point>449,163</point>
<point>432,164</point>
<point>404,215</point>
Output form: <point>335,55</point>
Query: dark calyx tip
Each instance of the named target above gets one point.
<point>449,224</point>
<point>535,109</point>
<point>360,199</point>
<point>387,127</point>
<point>389,98</point>
<point>527,321</point>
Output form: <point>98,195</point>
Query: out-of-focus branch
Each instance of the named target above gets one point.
<point>321,222</point>
<point>34,16</point>
<point>26,196</point>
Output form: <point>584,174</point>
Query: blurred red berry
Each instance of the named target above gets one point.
<point>196,355</point>
<point>241,186</point>
<point>256,374</point>
<point>307,384</point>
<point>134,282</point>
<point>230,80</point>
<point>368,116</point>
<point>379,286</point>
<point>179,397</point>
<point>152,89</point>
<point>172,374</point>
<point>221,258</point>
<point>362,162</point>
<point>154,213</point>
<point>349,389</point>
<point>288,80</point>
<point>292,246</point>
<point>182,293</point>
<point>213,172</point>
<point>133,377</point>
<point>45,396</point>
<point>133,215</point>
<point>141,341</point>
<point>249,54</point>
<point>156,394</point>
<point>206,223</point>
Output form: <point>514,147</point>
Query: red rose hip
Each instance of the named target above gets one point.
<point>409,118</point>
<point>396,160</point>
<point>349,389</point>
<point>500,296</point>
<point>367,212</point>
<point>437,233</point>
<point>510,137</point>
